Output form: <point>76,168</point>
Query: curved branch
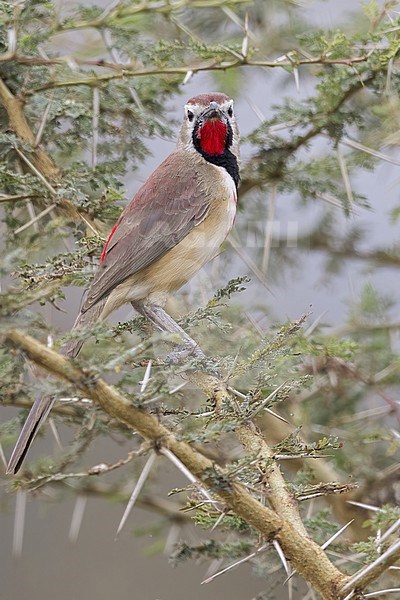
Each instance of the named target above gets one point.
<point>39,161</point>
<point>369,573</point>
<point>214,65</point>
<point>323,472</point>
<point>306,556</point>
<point>282,501</point>
<point>20,126</point>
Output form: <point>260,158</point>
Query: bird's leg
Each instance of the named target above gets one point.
<point>163,322</point>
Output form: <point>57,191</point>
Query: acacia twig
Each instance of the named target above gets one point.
<point>282,501</point>
<point>306,556</point>
<point>41,162</point>
<point>124,71</point>
<point>371,572</point>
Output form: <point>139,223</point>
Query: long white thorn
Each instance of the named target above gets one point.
<point>42,125</point>
<point>3,456</point>
<point>362,505</point>
<point>55,433</point>
<point>146,377</point>
<point>353,580</point>
<point>218,521</point>
<point>245,42</point>
<point>36,171</point>
<point>181,467</point>
<point>35,219</point>
<point>362,148</point>
<point>281,555</point>
<point>19,523</point>
<point>77,517</point>
<point>296,78</point>
<point>391,530</point>
<point>246,259</point>
<point>138,488</point>
<point>345,177</point>
<point>12,41</point>
<point>324,545</point>
<point>32,214</point>
<point>279,551</point>
<point>266,400</point>
<point>95,125</point>
<point>378,594</point>
<point>335,535</point>
<point>187,77</point>
<point>177,388</point>
<point>214,566</point>
<point>235,564</point>
<point>172,538</point>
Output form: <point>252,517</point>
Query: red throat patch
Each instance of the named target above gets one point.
<point>212,136</point>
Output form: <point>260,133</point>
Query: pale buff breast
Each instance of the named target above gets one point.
<point>182,262</point>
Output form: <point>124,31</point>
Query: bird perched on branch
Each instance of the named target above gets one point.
<point>173,226</point>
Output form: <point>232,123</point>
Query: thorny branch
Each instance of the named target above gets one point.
<point>306,557</point>
<point>318,123</point>
<point>281,499</point>
<point>367,574</point>
<point>315,567</point>
<point>45,167</point>
<point>124,71</point>
<point>40,162</point>
<point>283,523</point>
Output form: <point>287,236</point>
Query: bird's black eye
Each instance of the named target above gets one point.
<point>190,115</point>
<point>230,111</point>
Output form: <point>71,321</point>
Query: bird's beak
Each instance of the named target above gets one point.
<point>212,112</point>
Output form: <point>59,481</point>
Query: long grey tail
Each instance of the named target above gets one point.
<point>43,404</point>
<point>38,413</point>
<point>72,348</point>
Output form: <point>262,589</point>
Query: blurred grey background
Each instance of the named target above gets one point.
<point>97,567</point>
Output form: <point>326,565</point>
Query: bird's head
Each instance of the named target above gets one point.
<point>209,125</point>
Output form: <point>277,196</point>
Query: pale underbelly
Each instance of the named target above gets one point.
<point>178,265</point>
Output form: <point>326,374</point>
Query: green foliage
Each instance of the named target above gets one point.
<point>293,445</point>
<point>95,103</point>
<point>68,267</point>
<point>210,549</point>
<point>383,518</point>
<point>230,522</point>
<point>321,525</point>
<point>210,312</point>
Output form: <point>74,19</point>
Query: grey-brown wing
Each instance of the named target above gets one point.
<point>167,207</point>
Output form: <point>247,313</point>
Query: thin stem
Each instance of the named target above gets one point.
<point>317,568</point>
<point>212,65</point>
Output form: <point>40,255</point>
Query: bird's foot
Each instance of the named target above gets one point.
<point>182,352</point>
